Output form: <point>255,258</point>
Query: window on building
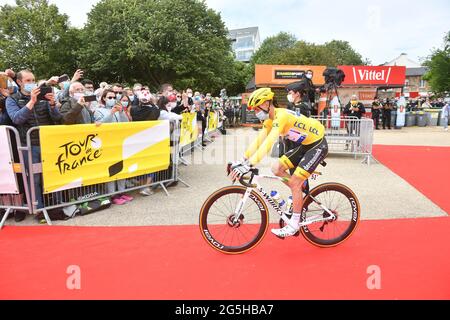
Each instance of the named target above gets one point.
<point>422,83</point>
<point>244,55</point>
<point>244,42</point>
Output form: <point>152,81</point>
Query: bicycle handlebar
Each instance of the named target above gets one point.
<point>253,171</point>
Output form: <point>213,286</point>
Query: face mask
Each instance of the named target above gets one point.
<point>171,105</point>
<point>179,99</point>
<point>290,98</point>
<point>262,116</point>
<point>29,87</point>
<point>78,95</point>
<point>132,98</point>
<point>110,103</point>
<point>309,76</point>
<point>190,95</point>
<point>89,93</point>
<point>66,85</point>
<point>118,96</point>
<point>125,104</point>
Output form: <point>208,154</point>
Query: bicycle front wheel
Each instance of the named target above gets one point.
<point>343,203</point>
<point>217,223</point>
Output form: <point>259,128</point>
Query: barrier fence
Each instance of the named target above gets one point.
<point>350,135</point>
<point>37,196</point>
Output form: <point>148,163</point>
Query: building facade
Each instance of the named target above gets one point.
<point>415,84</point>
<point>245,42</point>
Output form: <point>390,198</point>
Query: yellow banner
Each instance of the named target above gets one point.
<point>189,129</point>
<point>213,122</point>
<point>82,155</point>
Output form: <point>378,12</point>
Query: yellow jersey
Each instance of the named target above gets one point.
<point>287,123</point>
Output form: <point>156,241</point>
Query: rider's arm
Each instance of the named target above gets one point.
<point>259,141</point>
<point>265,148</point>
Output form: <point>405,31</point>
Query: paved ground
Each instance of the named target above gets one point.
<point>207,174</point>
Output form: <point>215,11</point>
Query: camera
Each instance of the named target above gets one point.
<point>44,90</point>
<point>333,78</point>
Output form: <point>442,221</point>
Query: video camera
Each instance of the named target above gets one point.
<point>333,78</point>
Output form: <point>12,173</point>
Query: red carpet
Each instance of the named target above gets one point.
<point>175,263</point>
<point>425,168</point>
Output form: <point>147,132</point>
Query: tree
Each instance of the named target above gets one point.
<point>285,49</point>
<point>439,65</point>
<point>34,35</point>
<point>152,41</point>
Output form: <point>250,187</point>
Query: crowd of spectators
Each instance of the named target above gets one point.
<point>26,102</point>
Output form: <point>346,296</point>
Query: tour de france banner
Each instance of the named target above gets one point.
<point>8,183</point>
<point>82,155</point>
<point>213,121</point>
<point>189,129</point>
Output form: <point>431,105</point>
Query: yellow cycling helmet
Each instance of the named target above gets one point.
<point>259,97</point>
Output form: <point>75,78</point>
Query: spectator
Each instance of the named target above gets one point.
<point>74,109</point>
<point>180,106</point>
<point>445,115</point>
<point>297,93</point>
<point>99,91</point>
<point>354,108</point>
<point>126,105</point>
<point>146,110</point>
<point>376,110</point>
<point>202,115</point>
<point>135,97</point>
<point>310,96</point>
<point>89,91</point>
<point>111,111</point>
<point>166,90</point>
<point>118,90</point>
<point>387,111</point>
<point>5,120</point>
<point>166,105</point>
<point>65,86</point>
<point>26,112</point>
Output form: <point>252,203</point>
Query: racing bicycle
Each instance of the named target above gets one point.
<point>235,219</point>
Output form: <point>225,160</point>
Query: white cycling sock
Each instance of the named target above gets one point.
<point>295,220</point>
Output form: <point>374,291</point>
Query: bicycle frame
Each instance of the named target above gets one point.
<point>271,202</point>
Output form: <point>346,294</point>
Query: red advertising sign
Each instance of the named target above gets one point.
<point>374,76</point>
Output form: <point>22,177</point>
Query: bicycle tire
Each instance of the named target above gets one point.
<point>209,236</point>
<point>354,221</point>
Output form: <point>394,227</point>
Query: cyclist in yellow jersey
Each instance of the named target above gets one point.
<point>312,149</point>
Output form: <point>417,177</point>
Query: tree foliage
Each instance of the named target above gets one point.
<point>34,35</point>
<point>439,65</point>
<point>153,41</point>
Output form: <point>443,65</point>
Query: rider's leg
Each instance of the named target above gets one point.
<point>280,170</point>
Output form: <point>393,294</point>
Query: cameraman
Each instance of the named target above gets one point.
<point>296,97</point>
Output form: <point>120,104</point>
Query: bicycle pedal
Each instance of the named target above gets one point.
<point>297,234</point>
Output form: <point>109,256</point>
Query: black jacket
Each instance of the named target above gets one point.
<point>145,113</point>
<point>351,113</point>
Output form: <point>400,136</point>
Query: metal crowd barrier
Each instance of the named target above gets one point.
<point>349,135</point>
<point>22,200</point>
<point>67,198</point>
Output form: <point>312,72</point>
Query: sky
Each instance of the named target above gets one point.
<point>380,30</point>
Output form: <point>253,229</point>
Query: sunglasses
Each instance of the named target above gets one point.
<point>110,98</point>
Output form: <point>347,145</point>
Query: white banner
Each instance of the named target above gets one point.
<point>335,112</point>
<point>8,183</point>
<point>401,112</point>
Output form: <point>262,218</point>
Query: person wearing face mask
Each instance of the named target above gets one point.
<point>135,96</point>
<point>27,111</point>
<point>90,91</point>
<point>113,111</point>
<point>110,110</point>
<point>74,109</point>
<point>312,149</point>
<point>296,94</point>
<point>354,108</point>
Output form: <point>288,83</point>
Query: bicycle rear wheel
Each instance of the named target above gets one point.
<point>340,200</point>
<point>217,225</point>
